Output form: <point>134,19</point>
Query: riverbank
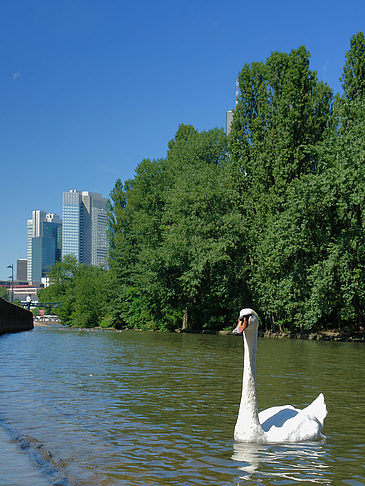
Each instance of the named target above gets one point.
<point>328,335</point>
<point>325,335</point>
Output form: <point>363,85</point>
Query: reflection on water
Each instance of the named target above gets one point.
<point>102,408</point>
<point>291,462</point>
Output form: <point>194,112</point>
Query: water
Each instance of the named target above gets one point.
<point>131,408</point>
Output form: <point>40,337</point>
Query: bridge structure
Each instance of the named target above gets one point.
<point>46,305</point>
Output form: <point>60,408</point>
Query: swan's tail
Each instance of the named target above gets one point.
<point>318,409</point>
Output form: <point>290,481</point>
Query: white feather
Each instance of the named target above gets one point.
<point>275,424</point>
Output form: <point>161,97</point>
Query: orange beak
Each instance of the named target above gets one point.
<point>241,326</point>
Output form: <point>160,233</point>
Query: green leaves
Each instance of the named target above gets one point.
<point>271,217</point>
<point>182,258</point>
<point>297,167</point>
<point>83,291</point>
<point>353,79</point>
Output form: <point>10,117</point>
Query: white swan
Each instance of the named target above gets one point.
<point>276,424</point>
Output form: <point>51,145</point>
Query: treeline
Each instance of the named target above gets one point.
<point>270,217</point>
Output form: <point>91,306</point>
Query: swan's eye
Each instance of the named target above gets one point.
<point>247,317</point>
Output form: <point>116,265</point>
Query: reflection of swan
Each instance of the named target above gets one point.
<point>249,455</point>
<point>276,424</point>
<point>294,462</point>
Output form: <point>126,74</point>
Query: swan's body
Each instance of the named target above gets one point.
<point>276,424</point>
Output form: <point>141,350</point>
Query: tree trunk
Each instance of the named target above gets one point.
<point>185,320</point>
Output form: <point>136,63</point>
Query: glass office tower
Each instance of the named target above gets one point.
<point>84,232</point>
<point>43,244</point>
<point>34,230</point>
<point>71,217</point>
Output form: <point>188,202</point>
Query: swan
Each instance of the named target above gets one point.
<point>276,424</point>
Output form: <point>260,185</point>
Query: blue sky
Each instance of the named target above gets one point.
<point>90,88</point>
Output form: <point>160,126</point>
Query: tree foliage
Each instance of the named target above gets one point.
<point>4,293</point>
<point>270,217</point>
<point>82,291</point>
<point>174,239</point>
<point>300,172</point>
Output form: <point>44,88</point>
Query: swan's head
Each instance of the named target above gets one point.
<point>248,319</point>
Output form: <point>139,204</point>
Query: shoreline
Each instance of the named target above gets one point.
<point>329,336</point>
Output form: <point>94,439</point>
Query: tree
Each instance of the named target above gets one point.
<point>4,293</point>
<point>281,117</point>
<point>82,290</point>
<point>62,275</point>
<point>337,278</point>
<point>134,216</point>
<point>90,291</point>
<point>281,114</point>
<point>199,244</point>
<point>275,221</point>
<point>353,78</point>
<point>174,240</point>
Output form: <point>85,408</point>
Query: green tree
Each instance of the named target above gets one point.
<point>4,293</point>
<point>82,290</point>
<point>174,241</point>
<point>62,276</point>
<point>134,216</point>
<point>337,278</point>
<point>90,289</point>
<point>197,255</point>
<point>353,78</point>
<point>276,221</point>
<point>281,117</point>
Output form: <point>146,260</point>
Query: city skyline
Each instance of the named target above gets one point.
<point>84,227</point>
<point>43,243</point>
<point>91,89</point>
<point>81,231</point>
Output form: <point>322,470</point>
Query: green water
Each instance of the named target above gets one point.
<point>132,408</point>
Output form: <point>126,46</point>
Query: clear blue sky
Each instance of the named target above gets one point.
<point>90,88</point>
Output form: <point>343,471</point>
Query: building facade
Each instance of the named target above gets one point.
<point>44,238</point>
<point>33,231</point>
<point>229,119</point>
<point>21,269</point>
<point>84,235</point>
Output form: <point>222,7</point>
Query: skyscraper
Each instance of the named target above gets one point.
<point>33,231</point>
<point>230,113</point>
<point>21,269</point>
<point>43,244</point>
<point>84,233</point>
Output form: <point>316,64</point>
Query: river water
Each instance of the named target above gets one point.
<point>142,408</point>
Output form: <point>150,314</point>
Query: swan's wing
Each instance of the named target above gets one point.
<point>276,416</point>
<point>302,425</point>
<point>317,409</point>
<point>300,428</point>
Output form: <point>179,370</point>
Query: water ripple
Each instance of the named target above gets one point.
<point>130,408</point>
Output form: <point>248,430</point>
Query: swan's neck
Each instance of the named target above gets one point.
<point>248,427</point>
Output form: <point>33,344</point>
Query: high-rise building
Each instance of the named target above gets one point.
<point>33,231</point>
<point>229,119</point>
<point>21,269</point>
<point>230,113</point>
<point>43,244</point>
<point>84,233</point>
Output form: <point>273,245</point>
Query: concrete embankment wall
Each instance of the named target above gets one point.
<point>14,318</point>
